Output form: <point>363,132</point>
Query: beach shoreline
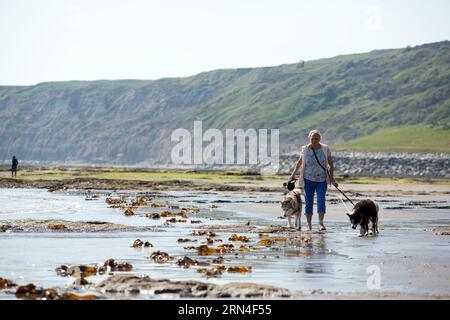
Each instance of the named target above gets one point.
<point>410,250</point>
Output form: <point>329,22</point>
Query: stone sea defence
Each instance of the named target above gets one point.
<point>398,165</point>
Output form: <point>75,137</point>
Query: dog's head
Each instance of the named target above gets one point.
<point>288,206</point>
<point>355,218</point>
<point>292,202</point>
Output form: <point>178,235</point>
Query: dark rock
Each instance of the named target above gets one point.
<point>28,291</point>
<point>188,262</point>
<point>138,243</point>
<point>5,283</point>
<point>153,215</point>
<point>4,227</point>
<point>160,257</point>
<point>82,271</point>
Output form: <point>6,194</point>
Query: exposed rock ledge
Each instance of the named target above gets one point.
<point>56,225</point>
<point>127,284</point>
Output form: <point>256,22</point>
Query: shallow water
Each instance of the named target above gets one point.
<point>334,261</point>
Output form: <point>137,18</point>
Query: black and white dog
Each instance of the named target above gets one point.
<point>365,211</point>
<point>292,207</point>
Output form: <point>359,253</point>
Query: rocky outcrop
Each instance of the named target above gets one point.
<point>123,284</point>
<point>54,225</point>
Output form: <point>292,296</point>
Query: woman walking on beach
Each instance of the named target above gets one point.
<point>315,169</point>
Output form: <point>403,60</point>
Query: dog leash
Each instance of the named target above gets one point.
<point>342,200</point>
<point>345,195</point>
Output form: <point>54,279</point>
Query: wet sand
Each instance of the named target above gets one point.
<point>411,252</point>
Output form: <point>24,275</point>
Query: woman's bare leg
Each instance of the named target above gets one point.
<point>309,220</point>
<point>321,216</point>
<point>321,226</point>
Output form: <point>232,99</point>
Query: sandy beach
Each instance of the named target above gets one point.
<point>409,257</point>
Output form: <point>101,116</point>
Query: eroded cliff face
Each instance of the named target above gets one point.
<point>83,121</point>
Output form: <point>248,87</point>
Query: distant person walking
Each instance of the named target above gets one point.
<point>14,165</point>
<point>316,172</point>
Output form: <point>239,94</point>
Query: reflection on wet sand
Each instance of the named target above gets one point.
<point>215,242</point>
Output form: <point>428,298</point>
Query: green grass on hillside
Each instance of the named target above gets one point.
<point>414,138</point>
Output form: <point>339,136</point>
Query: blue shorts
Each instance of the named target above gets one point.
<point>310,188</point>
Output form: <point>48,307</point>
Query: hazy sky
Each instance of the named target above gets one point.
<point>53,40</point>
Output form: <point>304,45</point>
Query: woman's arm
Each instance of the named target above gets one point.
<point>297,167</point>
<point>331,170</point>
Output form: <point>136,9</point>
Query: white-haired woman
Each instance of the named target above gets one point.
<point>315,169</point>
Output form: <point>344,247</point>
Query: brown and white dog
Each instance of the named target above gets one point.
<point>292,207</point>
<point>365,211</point>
